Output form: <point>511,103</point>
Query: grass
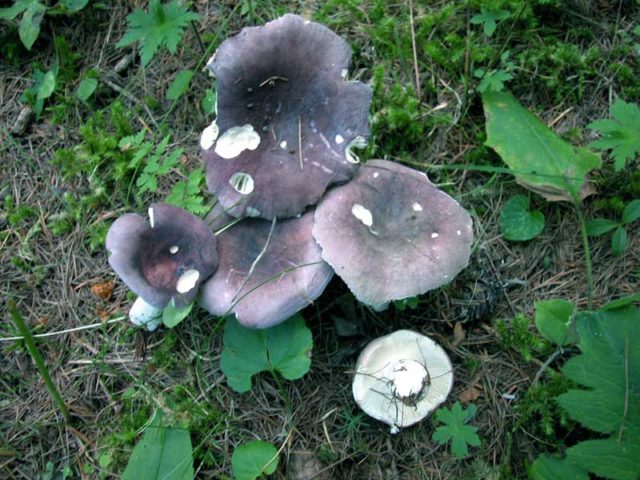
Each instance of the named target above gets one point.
<point>64,180</point>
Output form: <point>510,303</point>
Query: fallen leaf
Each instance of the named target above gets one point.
<point>103,290</point>
<point>469,395</point>
<point>458,334</point>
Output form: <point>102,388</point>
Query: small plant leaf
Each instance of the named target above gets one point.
<point>29,28</point>
<point>285,348</point>
<point>47,86</point>
<point>73,5</point>
<point>172,315</point>
<point>631,212</point>
<point>517,223</point>
<point>620,134</point>
<point>456,430</point>
<point>547,467</point>
<point>600,226</point>
<point>86,88</point>
<point>163,453</point>
<point>540,160</point>
<point>622,302</point>
<point>553,318</point>
<point>209,102</point>
<point>488,19</point>
<point>179,85</point>
<point>254,459</point>
<point>618,241</point>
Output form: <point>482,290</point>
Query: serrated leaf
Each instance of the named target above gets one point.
<point>618,241</point>
<point>163,453</point>
<point>172,315</point>
<point>179,85</point>
<point>187,194</point>
<point>550,468</point>
<point>600,226</point>
<point>553,318</point>
<point>620,134</point>
<point>455,429</point>
<point>488,19</point>
<point>609,458</point>
<point>86,88</point>
<point>540,160</point>
<point>254,459</point>
<point>285,348</point>
<point>29,28</point>
<point>631,212</point>
<point>517,223</point>
<point>493,81</point>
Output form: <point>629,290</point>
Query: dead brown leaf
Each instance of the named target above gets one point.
<point>103,290</point>
<point>471,394</point>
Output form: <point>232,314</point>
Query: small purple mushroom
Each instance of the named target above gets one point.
<point>167,257</point>
<point>287,118</point>
<point>268,271</point>
<point>391,234</point>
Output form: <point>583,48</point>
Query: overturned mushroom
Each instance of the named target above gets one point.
<point>402,377</point>
<point>268,271</point>
<point>167,257</point>
<point>391,234</point>
<point>287,118</point>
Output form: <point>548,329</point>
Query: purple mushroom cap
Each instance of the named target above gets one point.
<point>391,234</point>
<point>268,271</point>
<point>287,118</point>
<point>167,257</point>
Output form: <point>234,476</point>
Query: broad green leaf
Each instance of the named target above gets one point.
<point>73,5</point>
<point>600,226</point>
<point>631,212</point>
<point>610,458</point>
<point>517,223</point>
<point>172,315</point>
<point>86,88</point>
<point>553,318</point>
<point>47,86</point>
<point>618,241</point>
<point>540,160</point>
<point>29,28</point>
<point>163,453</point>
<point>285,348</point>
<point>179,85</point>
<point>209,102</point>
<point>622,302</point>
<point>550,468</point>
<point>16,9</point>
<point>254,459</point>
<point>620,134</point>
<point>456,430</point>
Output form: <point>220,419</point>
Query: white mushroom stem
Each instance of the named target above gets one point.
<point>146,315</point>
<point>409,379</point>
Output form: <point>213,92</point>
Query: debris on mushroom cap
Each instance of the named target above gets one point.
<point>391,234</point>
<point>402,377</point>
<point>287,118</point>
<point>167,257</point>
<point>268,271</point>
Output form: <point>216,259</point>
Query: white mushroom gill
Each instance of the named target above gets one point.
<point>209,136</point>
<point>236,140</point>
<point>242,183</point>
<point>362,214</point>
<point>187,280</point>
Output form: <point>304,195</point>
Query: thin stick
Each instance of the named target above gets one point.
<point>61,332</point>
<point>300,142</point>
<point>415,51</point>
<point>30,343</point>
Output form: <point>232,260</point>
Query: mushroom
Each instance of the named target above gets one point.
<point>287,119</point>
<point>268,271</point>
<point>167,257</point>
<point>391,234</point>
<point>402,377</point>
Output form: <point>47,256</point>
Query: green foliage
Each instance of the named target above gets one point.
<point>608,373</point>
<point>44,84</point>
<point>517,222</point>
<point>162,25</point>
<point>172,315</point>
<point>553,319</point>
<point>179,85</point>
<point>163,453</point>
<point>187,194</point>
<point>620,134</point>
<point>254,459</point>
<point>17,215</point>
<point>494,80</point>
<point>285,348</point>
<point>208,102</point>
<point>157,164</point>
<point>489,19</point>
<point>517,334</point>
<point>86,87</point>
<point>456,430</point>
<point>599,226</point>
<point>540,160</point>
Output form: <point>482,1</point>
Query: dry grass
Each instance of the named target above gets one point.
<point>97,369</point>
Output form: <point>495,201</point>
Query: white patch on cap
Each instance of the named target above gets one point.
<point>344,72</point>
<point>283,144</point>
<point>458,232</point>
<point>209,136</point>
<point>434,235</point>
<point>339,139</point>
<point>362,214</point>
<point>236,140</point>
<point>151,219</point>
<point>242,183</point>
<point>174,249</point>
<point>187,280</point>
<point>417,207</point>
<point>358,142</point>
<point>376,174</point>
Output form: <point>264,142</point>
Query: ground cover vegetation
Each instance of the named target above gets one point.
<point>102,107</point>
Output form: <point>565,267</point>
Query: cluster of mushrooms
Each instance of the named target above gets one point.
<point>296,206</point>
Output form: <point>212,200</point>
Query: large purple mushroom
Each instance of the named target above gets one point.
<point>391,234</point>
<point>287,118</point>
<point>268,271</point>
<point>167,257</point>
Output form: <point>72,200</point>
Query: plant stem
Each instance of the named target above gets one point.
<point>587,255</point>
<point>30,343</point>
